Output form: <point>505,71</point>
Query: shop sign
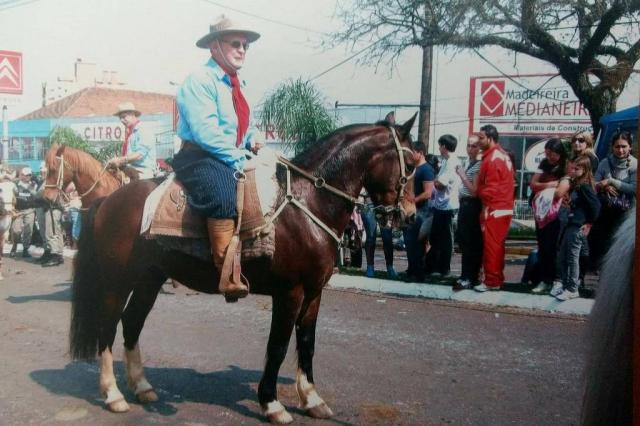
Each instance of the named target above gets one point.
<point>534,155</point>
<point>538,104</point>
<point>10,72</point>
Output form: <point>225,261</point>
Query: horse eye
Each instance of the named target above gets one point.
<point>410,168</point>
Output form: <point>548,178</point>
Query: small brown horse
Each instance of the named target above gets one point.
<point>115,262</point>
<point>66,165</point>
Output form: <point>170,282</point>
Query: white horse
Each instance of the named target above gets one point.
<point>608,392</point>
<point>7,203</point>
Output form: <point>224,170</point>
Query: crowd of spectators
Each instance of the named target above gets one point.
<point>577,201</point>
<point>37,221</point>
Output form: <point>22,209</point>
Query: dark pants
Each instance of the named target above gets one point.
<point>601,235</point>
<point>370,228</point>
<point>470,238</point>
<point>209,183</point>
<point>441,240</point>
<point>415,249</point>
<point>548,239</point>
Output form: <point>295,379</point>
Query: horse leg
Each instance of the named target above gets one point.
<point>285,311</point>
<point>112,310</point>
<point>133,318</point>
<point>310,401</point>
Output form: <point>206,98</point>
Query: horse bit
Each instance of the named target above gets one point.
<point>320,183</point>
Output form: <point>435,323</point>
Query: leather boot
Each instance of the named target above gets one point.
<point>220,233</point>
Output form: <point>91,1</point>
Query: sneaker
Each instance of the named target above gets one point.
<point>391,273</point>
<point>370,271</point>
<point>567,294</point>
<point>26,254</point>
<point>482,287</point>
<point>462,285</point>
<point>542,287</point>
<point>556,289</point>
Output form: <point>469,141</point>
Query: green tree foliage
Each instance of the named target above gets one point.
<point>594,44</point>
<point>67,136</point>
<point>297,111</point>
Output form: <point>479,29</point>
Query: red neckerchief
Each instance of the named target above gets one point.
<point>240,104</point>
<point>128,131</point>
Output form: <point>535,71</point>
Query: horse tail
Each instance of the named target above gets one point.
<point>608,386</point>
<point>85,292</point>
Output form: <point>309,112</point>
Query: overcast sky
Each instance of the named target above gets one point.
<point>152,42</point>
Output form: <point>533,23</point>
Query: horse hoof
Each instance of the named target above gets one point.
<point>119,406</point>
<point>147,396</point>
<point>280,418</point>
<point>321,411</point>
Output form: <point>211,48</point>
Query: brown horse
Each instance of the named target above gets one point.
<point>66,165</point>
<point>115,262</point>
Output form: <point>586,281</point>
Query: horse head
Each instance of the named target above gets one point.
<point>389,176</point>
<point>58,176</point>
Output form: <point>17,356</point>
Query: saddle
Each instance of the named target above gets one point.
<point>168,218</point>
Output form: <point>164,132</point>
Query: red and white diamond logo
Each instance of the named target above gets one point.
<point>10,72</point>
<point>492,98</point>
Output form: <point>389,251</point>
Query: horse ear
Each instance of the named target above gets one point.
<point>390,117</point>
<point>405,129</point>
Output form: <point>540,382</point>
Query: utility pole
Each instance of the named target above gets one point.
<point>5,135</point>
<point>424,118</point>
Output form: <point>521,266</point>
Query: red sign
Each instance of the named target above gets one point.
<point>10,72</point>
<point>492,94</point>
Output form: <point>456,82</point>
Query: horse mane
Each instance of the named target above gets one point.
<point>608,372</point>
<point>327,155</point>
<point>83,163</point>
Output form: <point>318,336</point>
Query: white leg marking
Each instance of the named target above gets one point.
<point>135,371</point>
<point>108,386</point>
<point>274,407</point>
<point>309,398</point>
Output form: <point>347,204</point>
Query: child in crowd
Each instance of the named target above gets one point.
<point>583,207</point>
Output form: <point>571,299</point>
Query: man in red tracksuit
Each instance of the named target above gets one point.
<point>495,189</point>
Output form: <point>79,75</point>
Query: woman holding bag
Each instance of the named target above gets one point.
<point>616,186</point>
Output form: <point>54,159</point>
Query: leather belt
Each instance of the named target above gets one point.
<point>189,146</point>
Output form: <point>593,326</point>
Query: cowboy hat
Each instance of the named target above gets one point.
<point>127,107</point>
<point>222,26</point>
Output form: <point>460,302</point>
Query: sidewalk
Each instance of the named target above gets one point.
<point>546,303</point>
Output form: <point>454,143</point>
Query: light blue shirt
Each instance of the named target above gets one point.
<point>144,144</point>
<point>207,115</point>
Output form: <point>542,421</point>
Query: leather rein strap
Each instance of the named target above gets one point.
<point>321,184</point>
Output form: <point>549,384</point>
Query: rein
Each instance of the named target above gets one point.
<point>60,180</point>
<point>320,183</point>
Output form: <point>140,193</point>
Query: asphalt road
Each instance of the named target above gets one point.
<point>379,360</point>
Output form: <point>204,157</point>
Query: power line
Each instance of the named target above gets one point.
<point>273,21</point>
<point>347,60</point>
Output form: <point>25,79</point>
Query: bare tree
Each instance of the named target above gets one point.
<point>594,44</point>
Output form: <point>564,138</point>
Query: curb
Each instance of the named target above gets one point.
<point>546,303</point>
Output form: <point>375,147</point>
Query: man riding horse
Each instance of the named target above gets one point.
<point>215,129</point>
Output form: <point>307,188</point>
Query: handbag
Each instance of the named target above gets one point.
<point>546,207</point>
<point>617,203</point>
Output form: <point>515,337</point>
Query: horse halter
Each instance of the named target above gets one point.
<point>320,183</point>
<point>402,181</point>
<point>60,180</point>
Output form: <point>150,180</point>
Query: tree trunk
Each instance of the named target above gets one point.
<point>425,96</point>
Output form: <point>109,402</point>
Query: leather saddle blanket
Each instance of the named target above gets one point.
<point>168,218</point>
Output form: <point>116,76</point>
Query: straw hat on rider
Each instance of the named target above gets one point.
<point>224,25</point>
<point>127,107</point>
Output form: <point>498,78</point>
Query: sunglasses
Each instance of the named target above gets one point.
<point>580,140</point>
<point>236,44</point>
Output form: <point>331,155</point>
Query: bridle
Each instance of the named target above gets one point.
<point>59,185</point>
<point>320,183</point>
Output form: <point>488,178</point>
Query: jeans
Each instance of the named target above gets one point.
<point>370,228</point>
<point>573,242</point>
<point>76,224</point>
